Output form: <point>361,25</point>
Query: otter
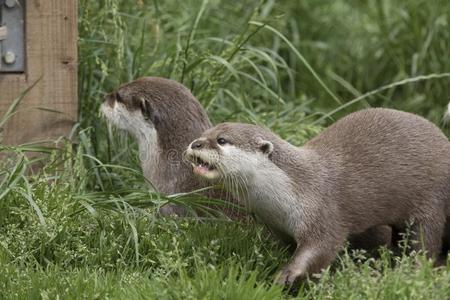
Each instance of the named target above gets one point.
<point>164,117</point>
<point>373,167</point>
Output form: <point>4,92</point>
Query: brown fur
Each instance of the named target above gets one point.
<point>178,119</point>
<point>373,167</point>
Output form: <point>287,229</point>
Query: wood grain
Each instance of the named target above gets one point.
<point>51,58</point>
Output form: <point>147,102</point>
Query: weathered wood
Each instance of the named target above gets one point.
<point>3,32</point>
<point>51,50</point>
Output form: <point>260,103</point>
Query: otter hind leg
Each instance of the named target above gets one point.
<point>427,233</point>
<point>446,239</point>
<point>372,238</point>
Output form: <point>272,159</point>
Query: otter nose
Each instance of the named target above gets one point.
<point>196,145</point>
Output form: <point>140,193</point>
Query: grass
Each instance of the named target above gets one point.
<point>84,225</point>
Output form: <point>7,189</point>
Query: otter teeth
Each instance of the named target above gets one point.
<point>199,163</point>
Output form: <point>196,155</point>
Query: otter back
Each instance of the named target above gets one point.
<point>373,167</point>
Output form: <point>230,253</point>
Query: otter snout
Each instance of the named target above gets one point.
<point>198,144</point>
<point>203,143</point>
<point>202,158</point>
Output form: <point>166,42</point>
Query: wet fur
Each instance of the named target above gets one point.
<point>373,167</point>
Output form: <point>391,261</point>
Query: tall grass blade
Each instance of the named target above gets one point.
<point>191,36</point>
<point>383,88</point>
<point>29,196</point>
<point>300,56</point>
<point>13,107</point>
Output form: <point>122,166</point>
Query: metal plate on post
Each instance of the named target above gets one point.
<point>12,36</point>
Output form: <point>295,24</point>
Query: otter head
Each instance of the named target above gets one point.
<point>230,150</point>
<point>157,105</point>
<point>129,108</point>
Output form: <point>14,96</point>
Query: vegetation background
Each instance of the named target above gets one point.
<point>85,227</point>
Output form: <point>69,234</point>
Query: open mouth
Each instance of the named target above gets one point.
<point>202,167</point>
<point>197,162</point>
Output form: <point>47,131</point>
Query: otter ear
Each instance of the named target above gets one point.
<point>265,146</point>
<point>147,111</point>
<point>144,106</point>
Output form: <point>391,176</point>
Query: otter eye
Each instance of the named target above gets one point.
<point>221,141</point>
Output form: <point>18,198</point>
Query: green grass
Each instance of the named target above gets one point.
<point>84,226</point>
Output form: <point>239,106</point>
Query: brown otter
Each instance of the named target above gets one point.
<point>164,117</point>
<point>373,167</point>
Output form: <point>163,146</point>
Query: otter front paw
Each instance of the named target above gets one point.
<point>286,278</point>
<point>172,210</point>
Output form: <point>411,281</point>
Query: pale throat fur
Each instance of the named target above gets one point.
<point>257,182</point>
<point>143,131</point>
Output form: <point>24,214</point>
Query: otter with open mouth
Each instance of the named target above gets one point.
<point>165,117</point>
<point>371,168</point>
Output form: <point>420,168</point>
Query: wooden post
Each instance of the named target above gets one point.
<point>51,57</point>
